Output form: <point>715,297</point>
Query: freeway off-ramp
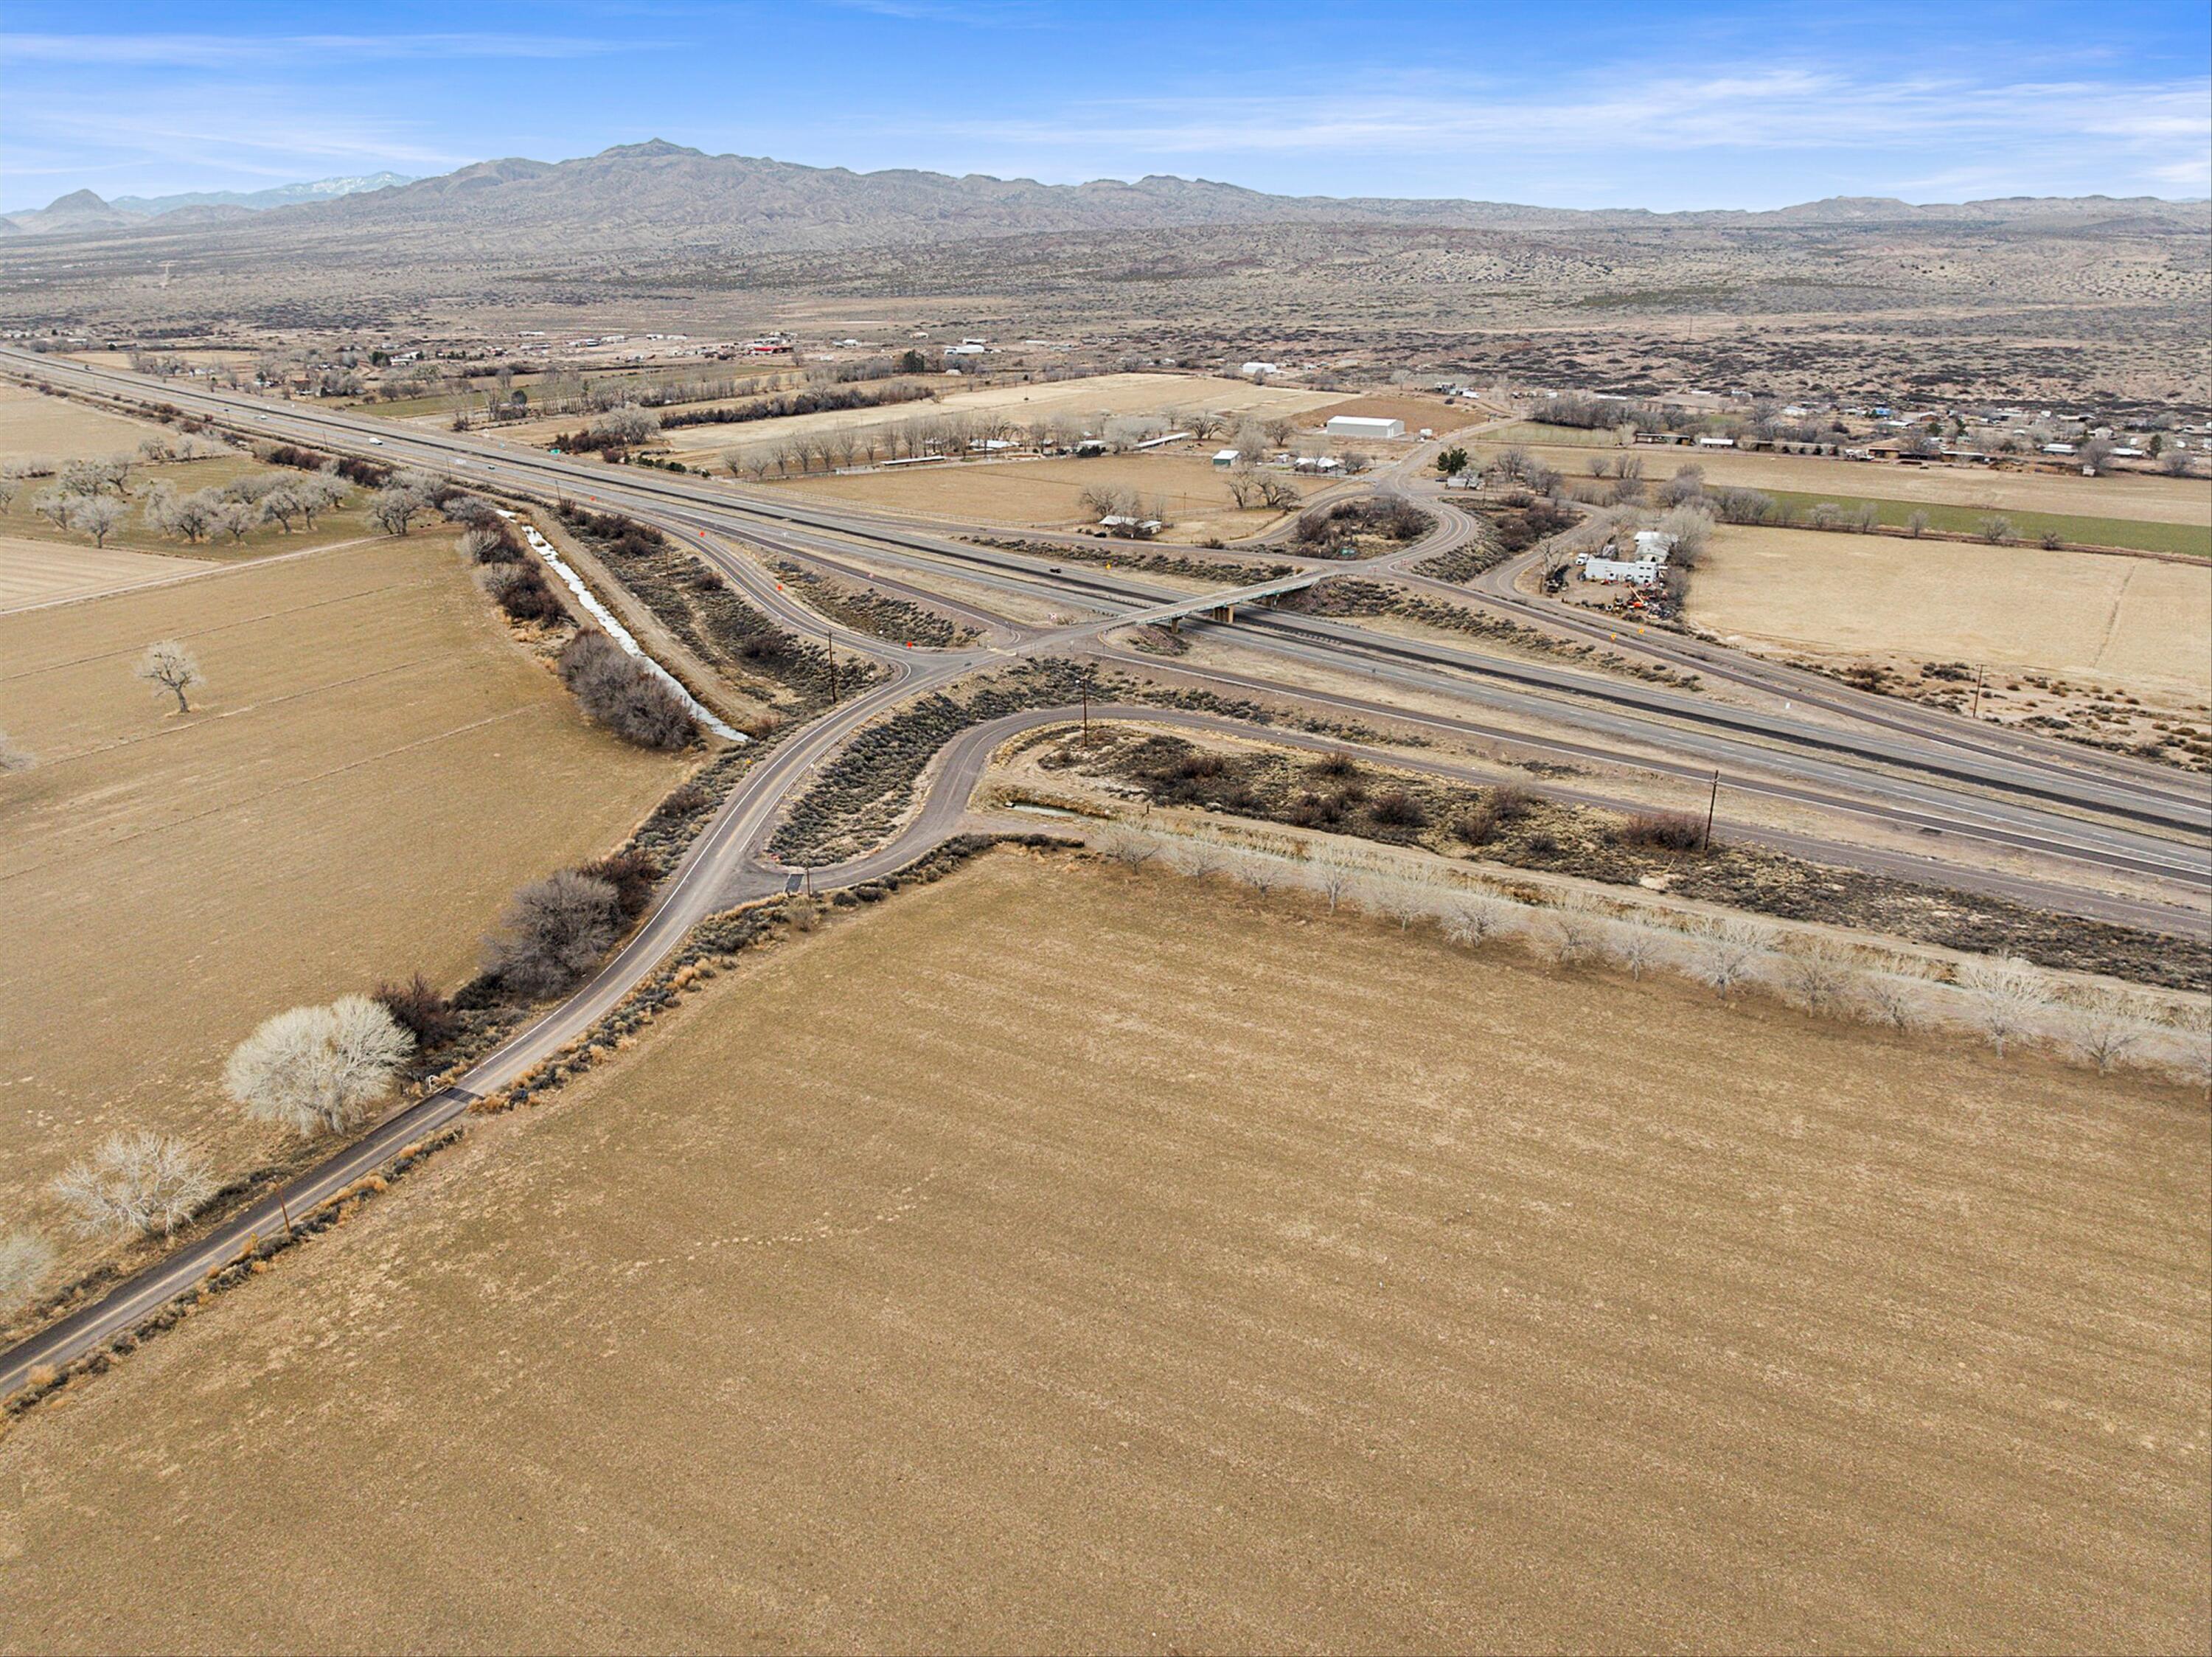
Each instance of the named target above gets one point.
<point>1892,765</point>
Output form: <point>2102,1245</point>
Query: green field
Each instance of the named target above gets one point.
<point>2193,539</point>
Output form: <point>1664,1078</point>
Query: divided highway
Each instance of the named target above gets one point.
<point>1891,765</point>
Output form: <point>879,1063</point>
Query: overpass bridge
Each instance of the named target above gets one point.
<point>1222,607</point>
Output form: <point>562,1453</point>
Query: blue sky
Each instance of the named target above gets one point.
<point>1720,105</point>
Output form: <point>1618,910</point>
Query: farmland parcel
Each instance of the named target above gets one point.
<point>1217,1277</point>
<point>371,767</point>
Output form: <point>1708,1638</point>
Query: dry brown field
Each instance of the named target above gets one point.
<point>2132,494</point>
<point>1047,494</point>
<point>1416,411</point>
<point>2143,623</point>
<point>46,572</point>
<point>372,766</point>
<point>56,429</point>
<point>1058,1259</point>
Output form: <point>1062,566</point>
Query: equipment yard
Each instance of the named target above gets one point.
<point>1197,1283</point>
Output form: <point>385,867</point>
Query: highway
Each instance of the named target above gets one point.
<point>1894,767</point>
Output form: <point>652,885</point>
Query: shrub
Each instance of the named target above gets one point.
<point>521,590</point>
<point>554,931</point>
<point>632,874</point>
<point>419,1010</point>
<point>1663,830</point>
<point>618,691</point>
<point>1399,809</point>
<point>491,543</point>
<point>1510,802</point>
<point>25,1260</point>
<point>1478,825</point>
<point>686,799</point>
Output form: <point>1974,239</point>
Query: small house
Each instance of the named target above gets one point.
<point>1226,458</point>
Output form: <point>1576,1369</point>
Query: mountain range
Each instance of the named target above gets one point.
<point>685,198</point>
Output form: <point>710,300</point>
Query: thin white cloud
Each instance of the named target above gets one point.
<point>1779,109</point>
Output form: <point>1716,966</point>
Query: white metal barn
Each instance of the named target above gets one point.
<point>1363,425</point>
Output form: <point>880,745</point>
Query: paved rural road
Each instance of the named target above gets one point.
<point>1908,777</point>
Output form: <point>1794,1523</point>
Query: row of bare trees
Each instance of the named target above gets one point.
<point>308,1070</point>
<point>2006,1000</point>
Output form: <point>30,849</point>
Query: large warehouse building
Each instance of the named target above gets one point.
<point>1361,425</point>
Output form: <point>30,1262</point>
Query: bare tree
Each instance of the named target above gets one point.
<point>1278,494</point>
<point>191,515</point>
<point>236,519</point>
<point>319,494</point>
<point>280,506</point>
<point>1900,1000</point>
<point>1994,528</point>
<point>54,506</point>
<point>14,758</point>
<point>1201,854</point>
<point>98,516</point>
<point>1131,848</point>
<point>621,692</point>
<point>1474,918</point>
<point>138,1181</point>
<point>2004,995</point>
<point>628,425</point>
<point>1919,525</point>
<point>1333,877</point>
<point>1262,873</point>
<point>393,509</point>
<point>1729,951</point>
<point>554,931</point>
<point>1400,899</point>
<point>310,1068</point>
<point>170,666</point>
<point>1578,932</point>
<point>2173,461</point>
<point>1690,527</point>
<point>1636,947</point>
<point>1818,978</point>
<point>26,1258</point>
<point>2104,1034</point>
<point>1688,484</point>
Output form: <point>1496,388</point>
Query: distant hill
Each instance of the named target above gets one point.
<point>669,197</point>
<point>282,195</point>
<point>83,210</point>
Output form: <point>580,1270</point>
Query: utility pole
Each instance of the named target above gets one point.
<point>1086,704</point>
<point>1980,673</point>
<point>285,1208</point>
<point>1711,804</point>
